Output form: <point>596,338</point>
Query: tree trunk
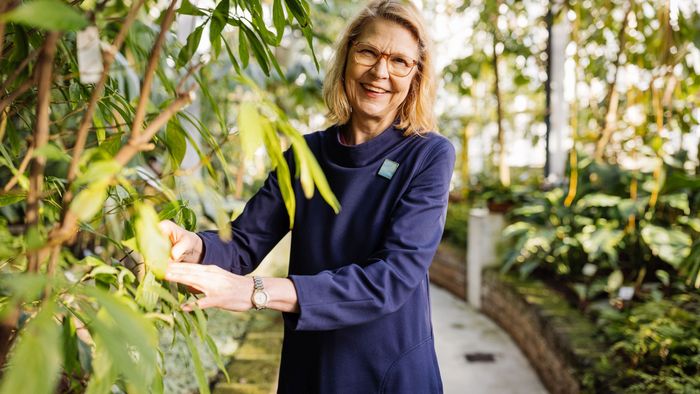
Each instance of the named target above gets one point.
<point>613,96</point>
<point>503,170</point>
<point>465,160</point>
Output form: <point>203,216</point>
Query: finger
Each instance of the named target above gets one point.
<point>177,252</point>
<point>202,303</point>
<point>169,229</point>
<point>187,274</point>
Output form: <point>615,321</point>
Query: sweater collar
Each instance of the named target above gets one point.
<point>362,154</point>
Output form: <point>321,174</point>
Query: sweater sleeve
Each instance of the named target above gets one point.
<point>261,225</point>
<point>359,293</point>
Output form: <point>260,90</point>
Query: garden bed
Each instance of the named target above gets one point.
<point>649,347</point>
<point>555,337</point>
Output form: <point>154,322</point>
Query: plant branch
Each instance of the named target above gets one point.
<point>136,144</point>
<point>11,79</point>
<point>613,97</point>
<point>21,89</point>
<point>86,122</point>
<point>189,73</point>
<point>20,170</point>
<point>151,70</point>
<point>41,137</point>
<point>142,141</point>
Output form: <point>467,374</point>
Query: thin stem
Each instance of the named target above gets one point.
<point>9,81</point>
<point>21,89</point>
<point>151,70</point>
<point>41,137</point>
<point>20,170</point>
<point>86,122</point>
<point>139,142</point>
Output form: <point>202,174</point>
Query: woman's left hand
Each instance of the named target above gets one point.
<point>221,288</point>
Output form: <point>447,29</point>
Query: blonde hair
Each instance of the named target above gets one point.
<point>415,114</point>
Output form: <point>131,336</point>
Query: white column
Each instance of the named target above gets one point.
<point>484,232</point>
<point>559,119</point>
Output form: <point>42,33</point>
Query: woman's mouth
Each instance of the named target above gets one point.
<point>373,91</point>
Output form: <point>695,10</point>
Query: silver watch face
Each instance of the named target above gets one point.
<point>260,298</point>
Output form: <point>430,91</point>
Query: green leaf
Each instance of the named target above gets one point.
<point>103,372</point>
<point>284,178</point>
<point>186,8</point>
<point>231,58</point>
<point>35,362</point>
<point>309,35</point>
<point>190,47</point>
<point>258,49</point>
<point>218,21</point>
<point>153,245</point>
<point>12,198</point>
<point>202,381</point>
<point>47,15</point>
<point>147,293</point>
<point>297,9</point>
<point>169,210</point>
<point>22,288</point>
<point>691,265</point>
<point>670,245</point>
<point>601,241</point>
<point>309,165</point>
<point>597,200</point>
<point>176,143</point>
<point>693,223</point>
<point>126,336</point>
<point>678,201</point>
<point>99,171</point>
<point>243,48</point>
<point>250,128</point>
<point>663,277</point>
<point>188,219</point>
<point>615,280</point>
<point>70,346</point>
<point>52,152</point>
<point>278,19</point>
<point>90,201</point>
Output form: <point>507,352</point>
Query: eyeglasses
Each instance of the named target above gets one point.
<point>398,64</point>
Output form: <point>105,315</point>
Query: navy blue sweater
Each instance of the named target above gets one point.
<point>361,276</point>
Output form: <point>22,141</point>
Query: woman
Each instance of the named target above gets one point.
<point>356,303</point>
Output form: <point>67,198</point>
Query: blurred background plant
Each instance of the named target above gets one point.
<point>580,120</point>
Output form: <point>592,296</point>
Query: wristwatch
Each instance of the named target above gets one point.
<point>260,296</point>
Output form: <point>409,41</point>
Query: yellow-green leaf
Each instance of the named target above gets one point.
<point>47,15</point>
<point>250,128</point>
<point>152,244</point>
<point>89,201</point>
<point>147,294</point>
<point>127,336</point>
<point>99,171</point>
<point>36,360</point>
<point>284,178</point>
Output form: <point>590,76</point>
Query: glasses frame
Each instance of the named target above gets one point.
<point>382,55</point>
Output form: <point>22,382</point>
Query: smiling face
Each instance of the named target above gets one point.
<point>372,91</point>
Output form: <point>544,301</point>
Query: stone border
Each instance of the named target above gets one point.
<point>448,270</point>
<point>555,337</point>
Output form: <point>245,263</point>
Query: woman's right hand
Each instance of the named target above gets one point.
<point>186,245</point>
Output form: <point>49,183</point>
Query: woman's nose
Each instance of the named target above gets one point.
<point>381,68</point>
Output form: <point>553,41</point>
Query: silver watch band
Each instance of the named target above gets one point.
<point>258,283</point>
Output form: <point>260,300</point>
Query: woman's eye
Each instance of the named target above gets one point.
<point>368,52</point>
<point>401,61</point>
